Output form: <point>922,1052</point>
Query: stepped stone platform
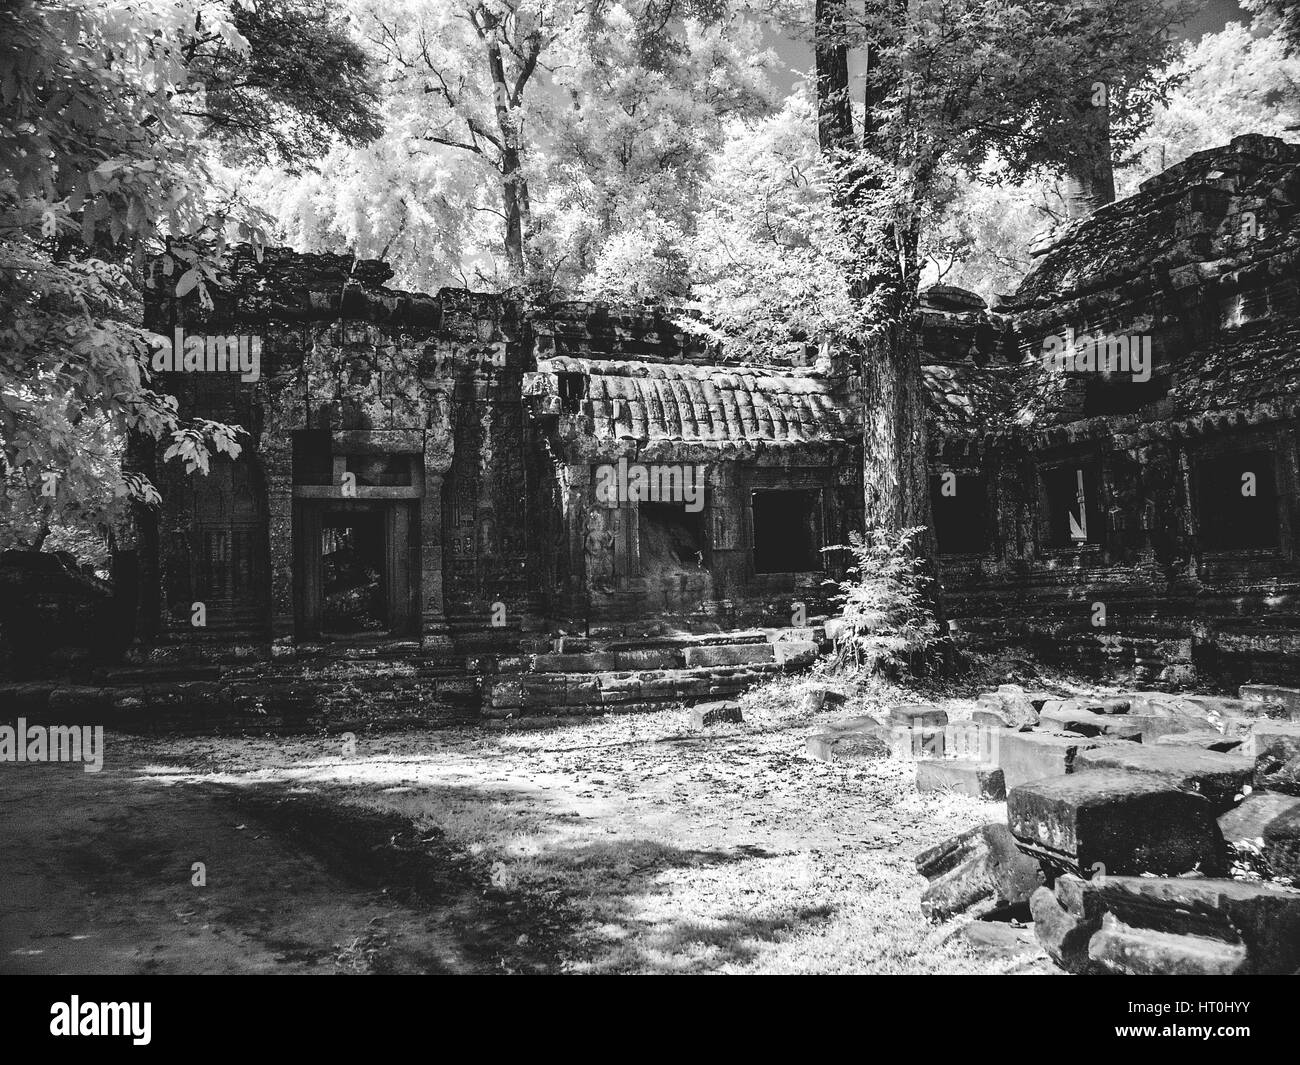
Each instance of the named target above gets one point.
<point>400,684</point>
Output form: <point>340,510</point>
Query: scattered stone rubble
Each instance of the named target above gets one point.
<point>1145,833</point>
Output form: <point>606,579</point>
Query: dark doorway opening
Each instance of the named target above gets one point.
<point>959,503</point>
<point>671,540</point>
<point>357,569</point>
<point>787,531</point>
<point>1236,501</point>
<point>353,574</point>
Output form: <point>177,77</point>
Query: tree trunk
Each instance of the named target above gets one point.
<point>514,197</point>
<point>896,476</point>
<point>514,181</point>
<point>1089,175</point>
<point>896,484</point>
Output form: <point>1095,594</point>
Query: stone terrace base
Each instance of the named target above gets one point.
<point>399,684</point>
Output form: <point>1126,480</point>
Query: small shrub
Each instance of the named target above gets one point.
<point>887,623</point>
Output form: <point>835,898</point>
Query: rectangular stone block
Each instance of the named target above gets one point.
<point>649,658</point>
<point>596,662</point>
<point>979,780</point>
<point>729,654</point>
<point>1205,740</point>
<point>1260,920</point>
<point>704,715</point>
<point>848,746</point>
<point>1272,700</point>
<point>976,872</point>
<point>1072,718</point>
<point>795,652</point>
<point>1275,748</point>
<point>1026,756</point>
<point>1217,777</point>
<point>1127,822</point>
<point>917,715</point>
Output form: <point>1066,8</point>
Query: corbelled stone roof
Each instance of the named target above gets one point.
<point>1203,262</point>
<point>623,407</point>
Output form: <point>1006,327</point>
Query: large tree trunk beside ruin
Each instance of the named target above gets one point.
<point>896,478</point>
<point>1089,173</point>
<point>895,441</point>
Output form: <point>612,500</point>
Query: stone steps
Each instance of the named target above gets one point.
<point>576,693</point>
<point>398,681</point>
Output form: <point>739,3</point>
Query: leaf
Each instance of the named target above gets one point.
<point>187,281</point>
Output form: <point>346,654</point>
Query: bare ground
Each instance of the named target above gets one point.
<point>618,844</point>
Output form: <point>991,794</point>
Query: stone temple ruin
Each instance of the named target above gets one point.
<point>467,507</point>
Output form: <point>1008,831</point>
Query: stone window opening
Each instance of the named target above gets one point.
<point>959,503</point>
<point>573,390</point>
<point>671,541</point>
<point>1236,501</point>
<point>787,531</point>
<point>1117,394</point>
<point>1074,515</point>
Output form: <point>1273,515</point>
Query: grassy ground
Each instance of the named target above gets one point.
<point>615,844</point>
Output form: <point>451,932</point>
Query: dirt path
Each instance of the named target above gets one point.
<point>96,870</point>
<point>620,844</point>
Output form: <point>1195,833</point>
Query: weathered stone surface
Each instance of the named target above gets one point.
<point>1205,740</point>
<point>1217,777</point>
<point>1111,704</point>
<point>728,654</point>
<point>1275,748</point>
<point>850,746</point>
<point>1069,717</point>
<point>1129,822</point>
<point>1025,756</point>
<point>1000,939</point>
<point>918,715</point>
<point>1018,704</point>
<point>1158,925</point>
<point>1272,699</point>
<point>977,872</point>
<point>716,713</point>
<point>989,717</point>
<point>980,780</point>
<point>1270,822</point>
<point>1059,931</point>
<point>649,658</point>
<point>574,663</point>
<point>792,653</point>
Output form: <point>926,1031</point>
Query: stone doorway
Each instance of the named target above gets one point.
<point>357,567</point>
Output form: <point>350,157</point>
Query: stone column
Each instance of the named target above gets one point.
<point>439,448</point>
<point>279,519</point>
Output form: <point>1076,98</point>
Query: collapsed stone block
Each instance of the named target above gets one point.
<point>1271,822</point>
<point>716,713</point>
<point>795,653</point>
<point>1025,756</point>
<point>1204,739</point>
<point>917,715</point>
<point>866,740</point>
<point>1272,700</point>
<point>1097,704</point>
<point>1071,718</point>
<point>815,698</point>
<point>977,872</point>
<point>1217,777</point>
<point>1274,747</point>
<point>991,717</point>
<point>1168,926</point>
<point>1127,822</point>
<point>979,780</point>
<point>1018,705</point>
